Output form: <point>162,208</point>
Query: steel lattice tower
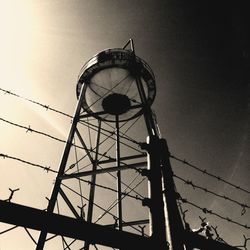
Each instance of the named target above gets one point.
<point>115,88</point>
<point>114,164</point>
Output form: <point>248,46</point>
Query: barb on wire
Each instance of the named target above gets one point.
<point>194,186</point>
<point>12,191</point>
<point>115,222</point>
<point>29,129</point>
<point>47,107</point>
<point>142,229</point>
<point>47,169</point>
<point>211,212</point>
<point>204,171</point>
<point>82,212</point>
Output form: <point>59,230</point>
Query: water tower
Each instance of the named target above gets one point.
<point>113,146</point>
<point>114,187</point>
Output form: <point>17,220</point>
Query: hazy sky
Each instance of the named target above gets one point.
<point>199,53</point>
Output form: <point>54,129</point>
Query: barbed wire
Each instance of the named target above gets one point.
<point>47,169</point>
<point>205,210</point>
<point>29,129</point>
<point>47,107</point>
<point>204,171</point>
<point>190,183</point>
<point>211,212</point>
<point>216,236</point>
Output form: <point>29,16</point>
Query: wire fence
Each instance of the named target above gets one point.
<point>244,206</point>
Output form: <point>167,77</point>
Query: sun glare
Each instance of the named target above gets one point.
<point>18,27</point>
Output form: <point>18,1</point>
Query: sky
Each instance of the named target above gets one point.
<point>199,53</point>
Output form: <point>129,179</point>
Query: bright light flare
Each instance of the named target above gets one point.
<point>18,24</point>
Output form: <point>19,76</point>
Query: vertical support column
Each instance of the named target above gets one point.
<point>175,229</point>
<point>64,159</point>
<point>93,181</point>
<point>93,177</point>
<point>118,163</point>
<point>155,201</point>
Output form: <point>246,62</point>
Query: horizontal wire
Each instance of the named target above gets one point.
<point>47,169</point>
<point>29,129</point>
<point>188,182</point>
<point>204,171</point>
<point>209,211</point>
<point>47,107</point>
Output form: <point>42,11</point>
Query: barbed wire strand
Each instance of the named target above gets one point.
<point>190,183</point>
<point>204,171</point>
<point>93,149</point>
<point>29,129</point>
<point>211,212</point>
<point>47,169</point>
<point>47,107</point>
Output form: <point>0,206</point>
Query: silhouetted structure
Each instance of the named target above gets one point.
<point>114,87</point>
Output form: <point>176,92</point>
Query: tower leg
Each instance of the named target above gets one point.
<point>53,198</point>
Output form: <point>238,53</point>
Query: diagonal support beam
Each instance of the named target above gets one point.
<point>64,196</point>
